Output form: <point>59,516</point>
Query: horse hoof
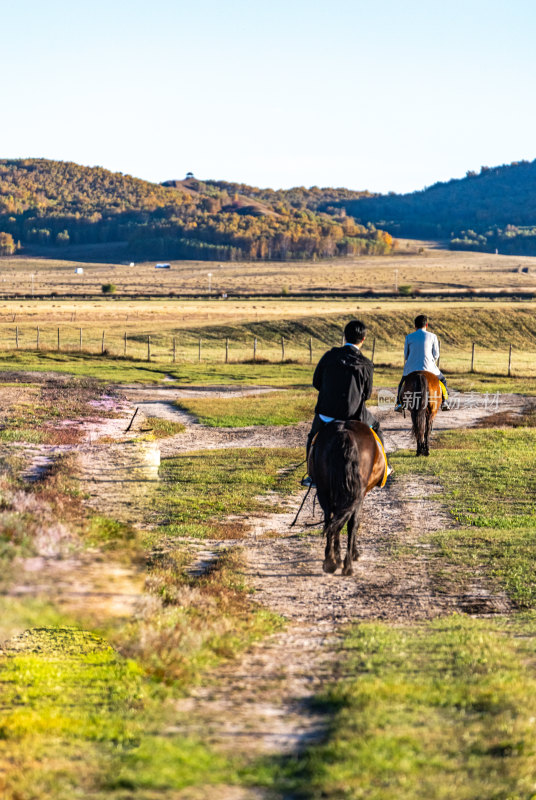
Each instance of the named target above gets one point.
<point>347,571</point>
<point>355,556</point>
<point>329,566</point>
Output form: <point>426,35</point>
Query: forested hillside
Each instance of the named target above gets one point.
<point>54,203</point>
<point>492,209</point>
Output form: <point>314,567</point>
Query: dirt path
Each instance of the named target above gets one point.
<point>160,403</point>
<point>261,703</point>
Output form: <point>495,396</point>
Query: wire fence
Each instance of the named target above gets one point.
<point>186,347</point>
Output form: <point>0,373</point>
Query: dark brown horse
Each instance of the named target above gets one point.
<point>345,462</point>
<point>421,396</point>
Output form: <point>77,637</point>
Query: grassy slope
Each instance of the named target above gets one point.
<point>457,326</point>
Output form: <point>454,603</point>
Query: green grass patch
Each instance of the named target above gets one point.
<point>286,407</point>
<point>69,702</point>
<point>297,375</point>
<point>435,711</point>
<point>489,483</point>
<point>125,370</point>
<point>473,382</point>
<point>161,428</point>
<point>199,489</point>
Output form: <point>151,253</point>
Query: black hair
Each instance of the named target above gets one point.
<point>355,331</point>
<point>421,321</point>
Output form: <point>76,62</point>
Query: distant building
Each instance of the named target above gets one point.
<point>79,270</point>
<point>189,175</point>
<point>162,266</point>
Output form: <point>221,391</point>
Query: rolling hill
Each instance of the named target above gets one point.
<point>494,209</point>
<point>58,204</point>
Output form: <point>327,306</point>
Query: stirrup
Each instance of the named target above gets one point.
<point>445,405</point>
<point>308,482</point>
<point>399,408</point>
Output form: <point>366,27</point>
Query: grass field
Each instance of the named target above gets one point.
<point>428,711</point>
<point>431,712</point>
<point>421,265</point>
<point>489,486</point>
<point>189,332</point>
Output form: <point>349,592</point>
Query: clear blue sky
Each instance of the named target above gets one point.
<point>390,95</point>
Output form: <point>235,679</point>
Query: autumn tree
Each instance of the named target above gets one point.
<point>7,244</point>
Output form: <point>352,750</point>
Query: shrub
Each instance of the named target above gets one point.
<point>405,290</point>
<point>108,288</point>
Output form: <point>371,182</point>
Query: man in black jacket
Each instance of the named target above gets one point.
<point>343,378</point>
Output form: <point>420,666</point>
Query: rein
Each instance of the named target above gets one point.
<point>300,508</point>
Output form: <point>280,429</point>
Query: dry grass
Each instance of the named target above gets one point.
<point>421,265</point>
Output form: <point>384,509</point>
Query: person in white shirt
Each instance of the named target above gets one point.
<point>421,351</point>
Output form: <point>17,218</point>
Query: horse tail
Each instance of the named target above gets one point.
<point>419,406</point>
<point>344,479</point>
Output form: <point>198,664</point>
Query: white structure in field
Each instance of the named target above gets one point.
<point>162,266</point>
<point>79,270</point>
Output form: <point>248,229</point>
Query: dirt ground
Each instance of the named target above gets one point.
<point>261,703</point>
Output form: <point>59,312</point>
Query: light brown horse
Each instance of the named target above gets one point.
<point>345,462</point>
<point>421,396</point>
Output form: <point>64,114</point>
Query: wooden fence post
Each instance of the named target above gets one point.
<point>174,349</point>
<point>59,348</point>
<point>310,349</point>
<point>255,349</point>
<point>148,347</point>
<point>510,362</point>
<point>199,351</point>
<point>80,340</point>
<point>373,349</point>
<point>282,349</point>
<point>37,337</point>
<point>227,350</point>
<point>473,357</point>
<point>17,337</point>
<point>102,344</point>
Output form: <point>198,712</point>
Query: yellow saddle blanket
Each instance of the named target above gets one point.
<point>382,451</point>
